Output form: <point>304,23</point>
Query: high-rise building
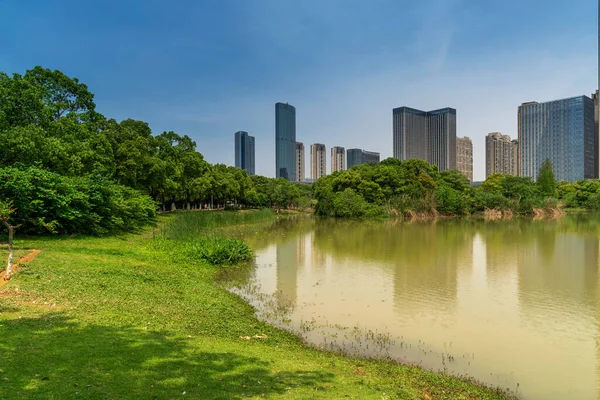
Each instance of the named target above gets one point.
<point>318,161</point>
<point>338,159</point>
<point>244,152</point>
<point>464,157</point>
<point>300,175</point>
<point>596,97</point>
<point>359,156</point>
<point>285,141</point>
<point>501,155</point>
<point>561,131</point>
<point>428,135</point>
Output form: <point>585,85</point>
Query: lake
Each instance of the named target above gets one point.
<point>514,304</point>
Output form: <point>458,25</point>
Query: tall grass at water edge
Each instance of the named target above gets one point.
<point>192,235</point>
<point>187,225</point>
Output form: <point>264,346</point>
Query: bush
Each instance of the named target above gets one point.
<point>218,250</point>
<point>47,202</point>
<point>451,201</point>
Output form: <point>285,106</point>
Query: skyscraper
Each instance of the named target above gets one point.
<point>501,155</point>
<point>561,131</point>
<point>318,161</point>
<point>244,152</point>
<point>359,156</point>
<point>300,176</point>
<point>428,135</point>
<point>285,141</point>
<point>464,157</point>
<point>338,159</point>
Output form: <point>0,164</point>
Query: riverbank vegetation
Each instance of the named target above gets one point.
<point>415,189</point>
<point>70,169</point>
<point>123,317</point>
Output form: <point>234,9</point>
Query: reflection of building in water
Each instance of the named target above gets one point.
<point>318,257</point>
<point>561,269</point>
<point>427,259</point>
<point>287,273</point>
<point>291,256</point>
<point>558,293</point>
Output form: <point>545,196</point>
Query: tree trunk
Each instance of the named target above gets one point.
<point>10,252</point>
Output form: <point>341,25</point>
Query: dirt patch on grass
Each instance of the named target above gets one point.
<point>16,266</point>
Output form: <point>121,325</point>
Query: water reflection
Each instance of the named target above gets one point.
<point>512,303</point>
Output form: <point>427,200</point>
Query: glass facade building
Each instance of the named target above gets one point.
<point>244,152</point>
<point>285,141</point>
<point>561,131</point>
<point>428,135</point>
<point>359,156</point>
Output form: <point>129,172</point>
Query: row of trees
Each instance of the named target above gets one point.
<point>415,187</point>
<point>49,121</point>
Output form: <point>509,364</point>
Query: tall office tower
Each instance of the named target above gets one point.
<point>411,136</point>
<point>561,131</point>
<point>244,152</point>
<point>285,141</point>
<point>359,156</point>
<point>596,98</point>
<point>300,176</point>
<point>318,161</point>
<point>428,135</point>
<point>501,155</point>
<point>338,159</point>
<point>464,157</point>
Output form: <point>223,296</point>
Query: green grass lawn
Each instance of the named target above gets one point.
<point>122,318</point>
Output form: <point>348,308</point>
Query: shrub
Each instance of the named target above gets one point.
<point>218,250</point>
<point>47,202</point>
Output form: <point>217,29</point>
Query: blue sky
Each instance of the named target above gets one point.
<point>209,68</point>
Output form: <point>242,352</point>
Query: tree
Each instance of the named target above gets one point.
<point>61,94</point>
<point>546,181</point>
<point>6,212</point>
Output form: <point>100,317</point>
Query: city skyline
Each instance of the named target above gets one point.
<point>185,77</point>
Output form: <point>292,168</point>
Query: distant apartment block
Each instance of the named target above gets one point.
<point>464,157</point>
<point>428,135</point>
<point>338,159</point>
<point>501,155</point>
<point>359,156</point>
<point>285,141</point>
<point>561,131</point>
<point>300,174</point>
<point>318,161</point>
<point>244,152</point>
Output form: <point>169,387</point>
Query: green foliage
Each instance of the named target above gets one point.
<point>47,202</point>
<point>450,200</point>
<point>217,250</point>
<point>351,204</point>
<point>546,181</point>
<point>48,120</point>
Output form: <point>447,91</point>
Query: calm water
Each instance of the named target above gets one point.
<point>515,304</point>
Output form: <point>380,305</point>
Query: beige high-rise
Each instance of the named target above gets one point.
<point>464,157</point>
<point>318,162</point>
<point>501,155</point>
<point>338,159</point>
<point>300,177</point>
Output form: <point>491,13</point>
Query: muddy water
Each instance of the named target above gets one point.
<point>514,304</point>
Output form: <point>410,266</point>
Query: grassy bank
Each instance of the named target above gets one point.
<point>125,318</point>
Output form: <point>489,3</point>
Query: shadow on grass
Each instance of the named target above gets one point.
<point>53,357</point>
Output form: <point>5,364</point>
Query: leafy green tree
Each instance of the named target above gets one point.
<point>62,95</point>
<point>546,181</point>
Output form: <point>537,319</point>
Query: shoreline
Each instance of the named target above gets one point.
<point>109,317</point>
